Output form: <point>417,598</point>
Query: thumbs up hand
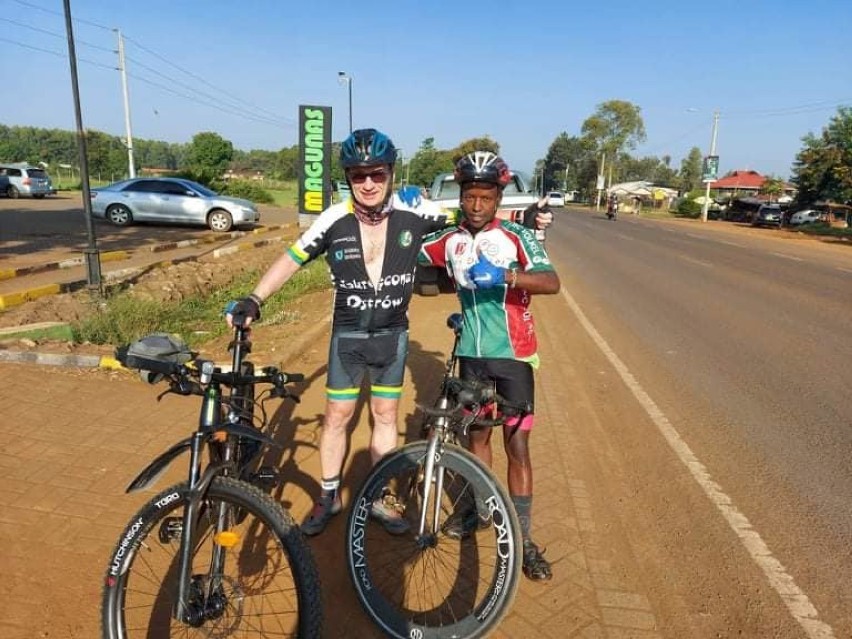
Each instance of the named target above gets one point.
<point>484,274</point>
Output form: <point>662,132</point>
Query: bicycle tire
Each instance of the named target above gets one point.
<point>270,582</point>
<point>386,569</point>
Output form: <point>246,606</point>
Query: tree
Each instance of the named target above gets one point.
<point>690,171</point>
<point>773,187</point>
<point>209,153</point>
<point>570,164</point>
<point>428,162</point>
<point>484,143</point>
<point>823,168</point>
<point>615,127</point>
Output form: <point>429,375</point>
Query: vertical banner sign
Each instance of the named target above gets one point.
<point>314,162</point>
<point>710,172</point>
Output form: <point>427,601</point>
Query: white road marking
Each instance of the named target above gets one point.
<point>788,257</point>
<point>694,261</point>
<point>797,602</point>
<point>729,243</point>
<point>845,270</point>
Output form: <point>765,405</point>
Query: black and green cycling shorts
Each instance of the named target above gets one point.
<point>354,354</point>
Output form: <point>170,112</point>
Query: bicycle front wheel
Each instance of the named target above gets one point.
<point>255,577</point>
<point>432,583</point>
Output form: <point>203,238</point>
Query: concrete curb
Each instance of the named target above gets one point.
<point>21,297</point>
<point>308,339</point>
<point>111,256</point>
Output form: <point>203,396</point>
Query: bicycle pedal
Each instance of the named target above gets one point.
<point>266,477</point>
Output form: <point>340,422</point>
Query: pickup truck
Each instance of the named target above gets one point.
<point>517,196</point>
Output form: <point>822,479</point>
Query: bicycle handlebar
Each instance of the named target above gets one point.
<point>182,376</point>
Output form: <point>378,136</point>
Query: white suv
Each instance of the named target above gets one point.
<point>22,179</point>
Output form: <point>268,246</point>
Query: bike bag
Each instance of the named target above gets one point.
<point>157,352</point>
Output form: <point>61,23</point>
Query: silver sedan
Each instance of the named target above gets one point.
<point>170,200</point>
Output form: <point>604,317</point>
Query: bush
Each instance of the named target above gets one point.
<point>246,190</point>
<point>233,188</point>
<point>688,208</point>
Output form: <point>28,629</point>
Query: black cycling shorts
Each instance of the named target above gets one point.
<point>353,354</point>
<point>512,378</point>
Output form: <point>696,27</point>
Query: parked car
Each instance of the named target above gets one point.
<point>555,198</point>
<point>170,200</point>
<point>808,216</point>
<point>767,215</point>
<point>22,179</point>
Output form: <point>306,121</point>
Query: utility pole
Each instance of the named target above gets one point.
<point>706,205</point>
<point>131,166</point>
<point>600,182</point>
<point>93,260</point>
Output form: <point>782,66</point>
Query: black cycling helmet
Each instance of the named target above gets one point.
<point>482,166</point>
<point>367,147</point>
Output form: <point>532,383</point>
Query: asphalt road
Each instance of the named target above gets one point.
<point>38,231</point>
<point>742,340</point>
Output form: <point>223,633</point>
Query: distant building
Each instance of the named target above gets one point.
<point>746,183</point>
<point>231,174</point>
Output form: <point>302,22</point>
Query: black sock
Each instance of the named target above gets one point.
<point>523,506</point>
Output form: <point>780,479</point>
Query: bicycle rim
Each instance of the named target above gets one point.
<point>267,584</point>
<point>434,586</point>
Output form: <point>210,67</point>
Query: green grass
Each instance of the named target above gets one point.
<point>123,318</point>
<point>285,196</point>
<point>62,333</point>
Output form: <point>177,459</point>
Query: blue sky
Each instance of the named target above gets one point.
<point>520,72</point>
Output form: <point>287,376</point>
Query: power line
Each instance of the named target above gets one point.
<point>257,116</point>
<point>203,81</point>
<point>236,103</point>
<point>56,53</point>
<point>810,107</point>
<point>210,104</point>
<point>56,35</point>
<point>59,13</point>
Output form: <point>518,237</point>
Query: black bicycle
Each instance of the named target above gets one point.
<point>214,556</point>
<point>429,582</point>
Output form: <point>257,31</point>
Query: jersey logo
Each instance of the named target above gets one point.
<point>405,239</point>
<point>338,255</point>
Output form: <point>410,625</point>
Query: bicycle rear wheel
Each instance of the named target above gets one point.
<point>433,585</point>
<point>267,585</point>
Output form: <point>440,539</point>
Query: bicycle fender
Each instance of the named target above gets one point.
<point>152,471</point>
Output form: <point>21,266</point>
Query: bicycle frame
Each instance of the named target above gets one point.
<point>438,436</point>
<point>211,424</point>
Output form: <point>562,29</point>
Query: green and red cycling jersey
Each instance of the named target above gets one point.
<point>497,320</point>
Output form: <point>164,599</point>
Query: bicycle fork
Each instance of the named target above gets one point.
<point>433,469</point>
<point>195,601</point>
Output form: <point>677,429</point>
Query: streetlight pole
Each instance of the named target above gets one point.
<point>706,206</point>
<point>342,76</point>
<point>131,165</point>
<point>93,260</point>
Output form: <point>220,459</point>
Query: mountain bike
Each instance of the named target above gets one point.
<point>425,582</point>
<point>213,556</point>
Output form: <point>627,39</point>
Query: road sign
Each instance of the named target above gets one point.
<point>710,170</point>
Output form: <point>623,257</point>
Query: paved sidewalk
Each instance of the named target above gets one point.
<point>73,438</point>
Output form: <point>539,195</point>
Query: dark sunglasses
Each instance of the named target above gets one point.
<point>378,177</point>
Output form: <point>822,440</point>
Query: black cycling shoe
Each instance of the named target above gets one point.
<point>462,523</point>
<point>322,511</point>
<point>535,566</point>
